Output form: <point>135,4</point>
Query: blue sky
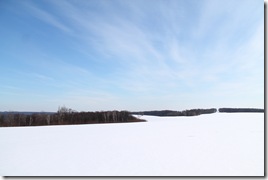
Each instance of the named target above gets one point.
<point>131,54</point>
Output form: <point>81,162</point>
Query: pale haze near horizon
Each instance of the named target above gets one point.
<point>131,55</point>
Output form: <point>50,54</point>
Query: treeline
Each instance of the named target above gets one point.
<point>66,118</point>
<point>196,112</point>
<point>191,112</point>
<point>233,110</point>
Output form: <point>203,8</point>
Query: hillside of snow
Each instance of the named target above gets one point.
<point>220,144</point>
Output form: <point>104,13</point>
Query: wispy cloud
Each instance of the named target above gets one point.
<point>46,17</point>
<point>42,77</point>
<point>151,49</point>
<point>136,47</point>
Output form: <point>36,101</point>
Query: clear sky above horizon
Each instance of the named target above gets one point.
<point>131,54</point>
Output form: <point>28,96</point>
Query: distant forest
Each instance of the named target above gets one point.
<point>191,112</point>
<point>65,116</point>
<point>233,110</point>
<point>196,112</point>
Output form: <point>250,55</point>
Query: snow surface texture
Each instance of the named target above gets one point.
<point>220,144</point>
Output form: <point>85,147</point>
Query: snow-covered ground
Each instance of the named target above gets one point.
<point>208,145</point>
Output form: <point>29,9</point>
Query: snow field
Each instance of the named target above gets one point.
<point>208,145</point>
